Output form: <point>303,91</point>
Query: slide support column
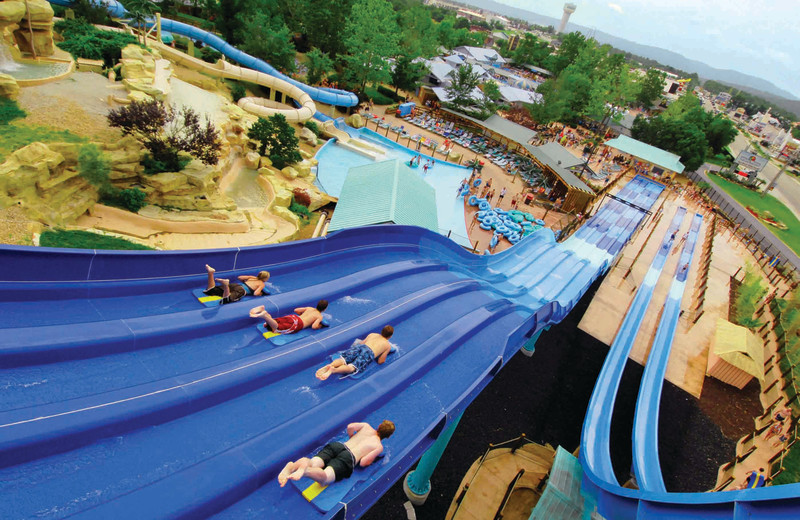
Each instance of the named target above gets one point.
<point>529,347</point>
<point>417,483</point>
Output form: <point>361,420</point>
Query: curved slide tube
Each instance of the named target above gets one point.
<point>126,398</point>
<point>596,437</point>
<point>328,96</point>
<point>258,106</point>
<point>645,423</point>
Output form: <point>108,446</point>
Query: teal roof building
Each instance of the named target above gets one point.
<point>386,192</point>
<point>646,152</point>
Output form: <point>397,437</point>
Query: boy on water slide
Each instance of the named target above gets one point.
<point>337,460</point>
<point>233,292</point>
<point>360,354</point>
<point>291,323</point>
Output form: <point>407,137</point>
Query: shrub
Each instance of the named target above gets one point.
<point>299,210</point>
<point>83,40</point>
<point>277,139</point>
<point>9,111</point>
<point>314,127</point>
<point>389,93</point>
<point>165,131</point>
<point>85,240</point>
<point>377,97</point>
<point>210,55</point>
<point>94,167</point>
<point>237,91</point>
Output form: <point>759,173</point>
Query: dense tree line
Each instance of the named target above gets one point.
<point>687,130</point>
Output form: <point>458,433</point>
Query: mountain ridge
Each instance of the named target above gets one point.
<point>740,80</point>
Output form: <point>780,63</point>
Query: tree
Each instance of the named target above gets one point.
<point>372,36</point>
<point>531,51</point>
<point>277,139</point>
<point>322,23</point>
<point>266,36</point>
<point>650,87</point>
<point>491,96</point>
<point>318,64</point>
<point>720,132</point>
<point>673,135</point>
<point>461,23</point>
<point>140,11</point>
<point>796,132</point>
<point>407,74</point>
<point>165,131</point>
<point>460,90</point>
<point>567,53</point>
<point>419,33</point>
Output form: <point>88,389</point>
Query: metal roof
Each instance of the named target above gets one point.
<point>385,192</point>
<point>560,164</point>
<point>481,54</point>
<point>500,125</point>
<point>646,152</point>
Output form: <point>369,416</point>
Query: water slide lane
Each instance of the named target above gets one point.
<point>647,466</point>
<point>596,436</point>
<point>126,442</point>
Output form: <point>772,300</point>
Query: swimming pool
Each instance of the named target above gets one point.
<point>335,162</point>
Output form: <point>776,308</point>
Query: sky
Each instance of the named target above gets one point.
<point>758,37</point>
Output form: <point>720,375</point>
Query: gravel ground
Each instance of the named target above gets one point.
<point>545,397</point>
<point>76,103</point>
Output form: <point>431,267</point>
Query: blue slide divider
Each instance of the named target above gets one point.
<point>645,425</point>
<point>596,437</point>
<point>126,398</point>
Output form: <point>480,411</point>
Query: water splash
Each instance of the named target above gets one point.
<point>305,389</point>
<point>14,384</point>
<point>351,299</point>
<point>7,63</point>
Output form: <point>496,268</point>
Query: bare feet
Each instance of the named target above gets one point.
<point>223,281</point>
<point>324,373</point>
<point>292,471</point>
<point>257,312</point>
<point>210,269</point>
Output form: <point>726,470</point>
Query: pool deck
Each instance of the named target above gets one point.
<point>553,219</point>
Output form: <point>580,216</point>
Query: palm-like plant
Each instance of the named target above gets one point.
<point>139,11</point>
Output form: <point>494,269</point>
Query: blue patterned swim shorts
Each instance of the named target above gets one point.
<point>358,355</point>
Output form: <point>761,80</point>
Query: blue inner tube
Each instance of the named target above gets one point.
<point>476,183</point>
<point>473,201</point>
<point>486,226</point>
<point>484,205</point>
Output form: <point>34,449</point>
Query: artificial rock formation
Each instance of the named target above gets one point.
<point>45,184</point>
<point>36,19</point>
<point>145,72</point>
<point>8,86</point>
<point>196,187</point>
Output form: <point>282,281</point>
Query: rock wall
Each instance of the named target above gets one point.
<point>45,184</point>
<point>15,17</point>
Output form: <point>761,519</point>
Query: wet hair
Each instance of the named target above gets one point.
<point>387,331</point>
<point>386,429</point>
<point>263,276</point>
<point>322,305</point>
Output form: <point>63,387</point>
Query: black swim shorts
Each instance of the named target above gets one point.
<point>337,456</point>
<point>237,293</point>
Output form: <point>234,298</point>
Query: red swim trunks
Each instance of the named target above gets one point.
<point>289,324</point>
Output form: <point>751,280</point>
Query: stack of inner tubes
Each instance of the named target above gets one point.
<point>512,225</point>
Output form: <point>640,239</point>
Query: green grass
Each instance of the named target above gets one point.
<point>16,135</point>
<point>9,111</point>
<point>745,197</point>
<point>86,240</point>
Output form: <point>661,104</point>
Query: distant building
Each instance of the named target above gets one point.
<point>569,8</point>
<point>723,98</point>
<point>481,55</point>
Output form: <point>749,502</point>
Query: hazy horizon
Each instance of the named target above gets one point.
<point>763,42</point>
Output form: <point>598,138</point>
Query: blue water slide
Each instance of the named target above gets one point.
<point>645,424</point>
<point>124,397</point>
<point>596,437</point>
